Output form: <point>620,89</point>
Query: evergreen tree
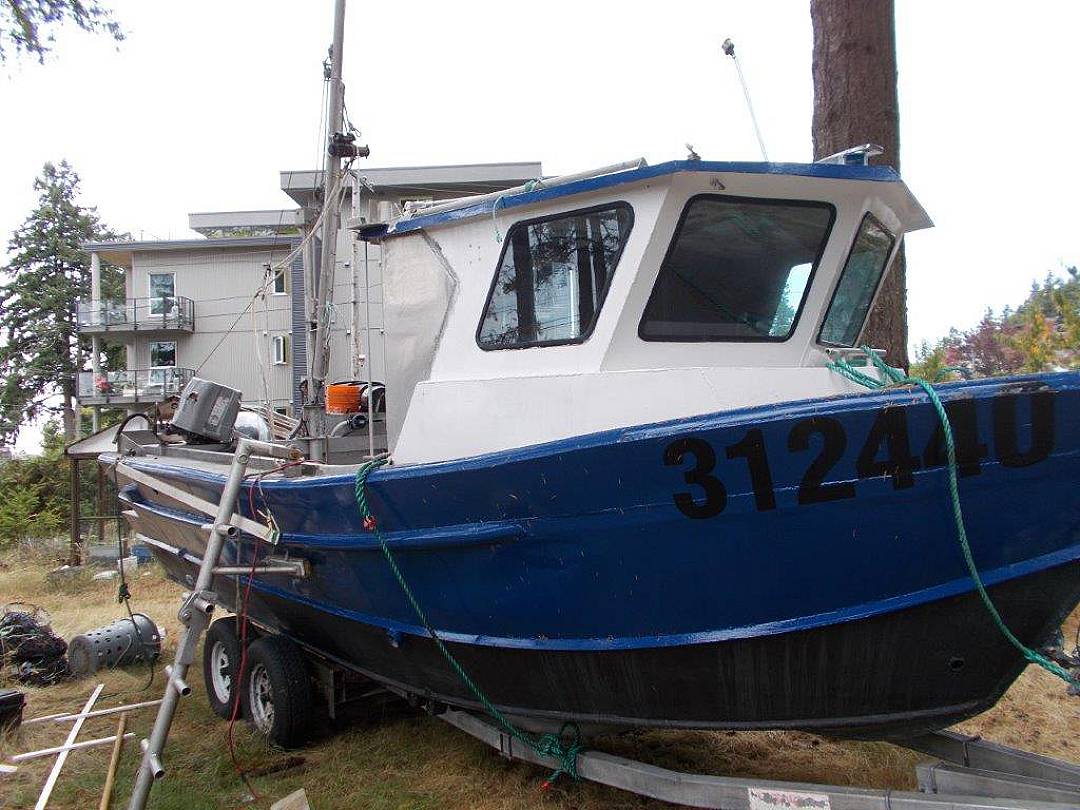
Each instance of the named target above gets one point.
<point>46,274</point>
<point>1042,334</point>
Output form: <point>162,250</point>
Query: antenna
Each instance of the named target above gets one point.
<point>728,47</point>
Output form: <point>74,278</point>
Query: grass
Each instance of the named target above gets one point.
<point>411,762</point>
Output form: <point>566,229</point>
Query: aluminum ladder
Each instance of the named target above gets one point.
<point>198,605</point>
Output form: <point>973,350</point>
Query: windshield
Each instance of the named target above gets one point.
<point>737,269</point>
<point>858,283</point>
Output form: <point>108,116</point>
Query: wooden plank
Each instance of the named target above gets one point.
<point>60,749</point>
<point>61,758</point>
<point>114,761</point>
<point>63,717</point>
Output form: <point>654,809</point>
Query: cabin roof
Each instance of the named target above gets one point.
<point>470,208</point>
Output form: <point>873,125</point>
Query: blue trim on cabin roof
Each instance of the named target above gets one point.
<point>829,171</point>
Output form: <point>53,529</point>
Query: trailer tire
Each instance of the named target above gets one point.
<point>276,697</point>
<point>221,664</point>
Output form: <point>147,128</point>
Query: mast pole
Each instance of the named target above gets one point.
<point>323,293</point>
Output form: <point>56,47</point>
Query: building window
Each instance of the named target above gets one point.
<point>280,351</point>
<point>162,293</point>
<point>738,269</point>
<point>858,284</point>
<point>552,278</point>
<point>281,283</point>
<point>162,363</point>
<point>162,353</point>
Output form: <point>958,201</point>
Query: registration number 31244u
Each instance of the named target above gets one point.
<point>886,452</point>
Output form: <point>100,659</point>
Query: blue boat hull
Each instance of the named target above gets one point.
<point>786,566</point>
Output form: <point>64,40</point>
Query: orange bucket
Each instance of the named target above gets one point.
<point>343,398</point>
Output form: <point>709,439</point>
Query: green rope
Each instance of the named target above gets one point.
<point>895,377</point>
<point>547,745</point>
<point>531,185</point>
<point>494,217</point>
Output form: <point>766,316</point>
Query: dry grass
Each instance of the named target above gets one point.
<point>418,762</point>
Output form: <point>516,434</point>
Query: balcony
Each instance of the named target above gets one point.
<point>149,385</point>
<point>173,313</point>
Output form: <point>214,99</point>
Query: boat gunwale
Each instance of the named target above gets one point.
<point>838,403</point>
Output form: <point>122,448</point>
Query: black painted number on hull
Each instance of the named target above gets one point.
<point>713,496</point>
<point>886,453</point>
<point>833,443</point>
<point>1007,429</point>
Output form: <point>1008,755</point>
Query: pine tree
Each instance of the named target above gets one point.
<point>46,274</point>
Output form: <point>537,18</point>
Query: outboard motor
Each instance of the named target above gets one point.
<point>207,412</point>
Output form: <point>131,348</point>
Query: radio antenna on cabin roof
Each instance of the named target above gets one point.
<point>728,47</point>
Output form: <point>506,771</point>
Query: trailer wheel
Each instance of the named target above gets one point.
<point>221,660</point>
<point>277,691</point>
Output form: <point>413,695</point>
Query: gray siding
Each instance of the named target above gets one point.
<point>227,338</point>
<point>224,346</point>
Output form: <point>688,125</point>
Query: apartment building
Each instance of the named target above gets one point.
<point>232,304</point>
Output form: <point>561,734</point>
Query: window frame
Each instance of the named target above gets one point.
<point>160,375</point>
<point>826,239</point>
<point>507,243</point>
<point>283,342</point>
<point>867,215</point>
<point>150,352</point>
<point>151,298</point>
<point>283,274</point>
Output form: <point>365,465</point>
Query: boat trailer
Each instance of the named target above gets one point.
<point>970,774</point>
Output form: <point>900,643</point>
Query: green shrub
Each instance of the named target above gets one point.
<point>24,517</point>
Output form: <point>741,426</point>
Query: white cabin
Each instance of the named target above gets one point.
<point>631,296</point>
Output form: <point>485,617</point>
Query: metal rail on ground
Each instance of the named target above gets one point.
<point>1008,778</point>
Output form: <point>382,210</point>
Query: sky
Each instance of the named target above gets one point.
<point>204,102</point>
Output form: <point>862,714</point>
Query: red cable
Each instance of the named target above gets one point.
<point>243,616</point>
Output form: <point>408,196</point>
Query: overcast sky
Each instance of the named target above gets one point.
<point>205,101</point>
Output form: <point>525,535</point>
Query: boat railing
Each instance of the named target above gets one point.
<point>427,209</point>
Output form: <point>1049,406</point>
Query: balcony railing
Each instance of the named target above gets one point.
<point>125,387</point>
<point>165,313</point>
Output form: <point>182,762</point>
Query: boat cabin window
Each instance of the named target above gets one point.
<point>858,283</point>
<point>738,269</point>
<point>552,278</point>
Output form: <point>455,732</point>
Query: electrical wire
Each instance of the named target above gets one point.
<point>240,670</point>
<point>224,335</point>
<point>242,613</point>
<point>123,593</point>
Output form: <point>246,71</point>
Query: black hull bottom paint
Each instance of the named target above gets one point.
<point>890,675</point>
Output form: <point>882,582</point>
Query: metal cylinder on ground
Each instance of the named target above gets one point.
<point>125,641</point>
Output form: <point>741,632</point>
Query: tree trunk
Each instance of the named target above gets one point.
<point>67,388</point>
<point>855,102</point>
